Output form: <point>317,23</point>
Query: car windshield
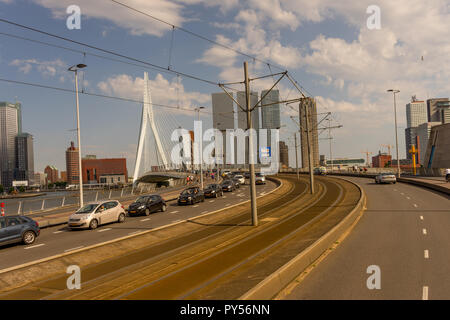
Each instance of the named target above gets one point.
<point>188,191</point>
<point>87,208</point>
<point>211,186</point>
<point>142,199</point>
<point>258,174</point>
<point>227,182</point>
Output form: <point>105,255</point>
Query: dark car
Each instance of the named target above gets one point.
<point>147,204</point>
<point>228,185</point>
<point>247,175</point>
<point>213,190</point>
<point>191,196</point>
<point>18,229</point>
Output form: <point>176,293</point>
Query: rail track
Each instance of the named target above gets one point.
<point>217,261</point>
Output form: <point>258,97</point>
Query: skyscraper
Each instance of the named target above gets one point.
<point>309,103</point>
<point>223,119</point>
<point>416,113</point>
<point>423,132</point>
<point>9,128</point>
<point>73,175</point>
<point>242,115</point>
<point>284,155</point>
<point>435,114</point>
<point>270,114</point>
<point>24,158</point>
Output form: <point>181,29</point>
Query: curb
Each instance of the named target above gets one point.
<point>278,280</point>
<point>31,263</point>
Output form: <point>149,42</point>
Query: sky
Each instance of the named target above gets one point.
<point>326,45</point>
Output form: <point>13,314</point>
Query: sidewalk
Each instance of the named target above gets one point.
<point>435,184</point>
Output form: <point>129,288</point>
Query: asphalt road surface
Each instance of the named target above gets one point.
<point>405,232</point>
<point>57,240</point>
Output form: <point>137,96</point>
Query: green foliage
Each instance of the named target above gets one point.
<point>21,189</point>
<point>2,189</point>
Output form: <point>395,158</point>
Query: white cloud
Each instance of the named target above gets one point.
<point>46,68</point>
<point>136,23</point>
<point>163,91</point>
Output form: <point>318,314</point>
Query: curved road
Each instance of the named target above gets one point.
<point>57,240</point>
<point>405,231</point>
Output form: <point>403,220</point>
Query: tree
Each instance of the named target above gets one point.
<point>21,189</point>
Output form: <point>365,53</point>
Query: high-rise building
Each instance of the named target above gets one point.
<point>223,112</point>
<point>410,139</point>
<point>39,178</point>
<point>9,128</point>
<point>270,114</point>
<point>435,114</point>
<point>284,155</point>
<point>73,175</point>
<point>51,173</point>
<point>63,176</point>
<point>24,170</point>
<point>416,113</point>
<point>242,115</point>
<point>443,107</point>
<point>309,103</point>
<point>423,133</point>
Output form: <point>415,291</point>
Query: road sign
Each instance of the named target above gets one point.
<point>264,152</point>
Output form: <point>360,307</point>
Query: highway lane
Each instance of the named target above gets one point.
<point>405,231</point>
<point>57,240</point>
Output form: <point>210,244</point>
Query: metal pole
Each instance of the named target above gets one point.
<point>250,148</point>
<point>310,164</point>
<point>396,136</point>
<point>80,173</point>
<point>296,155</point>
<point>329,136</point>
<point>201,152</point>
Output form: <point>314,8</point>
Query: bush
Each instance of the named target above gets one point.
<point>21,189</point>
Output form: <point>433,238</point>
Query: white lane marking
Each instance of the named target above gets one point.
<point>402,193</point>
<point>415,205</point>
<point>58,232</point>
<point>424,231</point>
<point>425,293</point>
<point>426,254</point>
<point>421,217</point>
<point>224,197</point>
<point>205,211</point>
<point>73,249</point>
<point>211,201</point>
<point>107,229</point>
<point>146,219</point>
<point>228,204</point>
<point>195,206</point>
<point>35,246</point>
<point>408,198</point>
<point>177,220</point>
<point>135,232</point>
<point>175,211</point>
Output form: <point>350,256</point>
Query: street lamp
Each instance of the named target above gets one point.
<point>201,149</point>
<point>396,136</point>
<point>75,69</point>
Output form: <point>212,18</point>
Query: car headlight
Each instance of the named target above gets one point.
<point>189,198</point>
<point>141,207</point>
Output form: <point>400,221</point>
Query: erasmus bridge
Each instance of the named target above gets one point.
<point>153,163</point>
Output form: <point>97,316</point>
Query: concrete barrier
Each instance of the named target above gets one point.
<point>278,280</point>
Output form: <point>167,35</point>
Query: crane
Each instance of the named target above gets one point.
<point>367,153</point>
<point>388,146</point>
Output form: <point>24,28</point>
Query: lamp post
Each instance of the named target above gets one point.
<point>201,148</point>
<point>75,69</point>
<point>396,136</point>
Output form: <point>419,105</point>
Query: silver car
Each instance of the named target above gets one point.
<point>97,213</point>
<point>385,178</point>
<point>239,178</point>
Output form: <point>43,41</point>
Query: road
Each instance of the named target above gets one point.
<point>405,231</point>
<point>57,240</point>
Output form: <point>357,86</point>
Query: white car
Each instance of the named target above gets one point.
<point>260,178</point>
<point>385,178</point>
<point>97,213</point>
<point>239,178</point>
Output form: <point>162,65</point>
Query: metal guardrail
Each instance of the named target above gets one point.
<point>31,206</point>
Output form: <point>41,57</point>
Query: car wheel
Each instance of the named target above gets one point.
<point>163,208</point>
<point>28,237</point>
<point>147,211</point>
<point>93,224</point>
<point>121,218</point>
<point>203,199</point>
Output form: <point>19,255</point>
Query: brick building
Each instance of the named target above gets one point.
<point>381,160</point>
<point>52,174</point>
<point>109,171</point>
<point>72,164</point>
